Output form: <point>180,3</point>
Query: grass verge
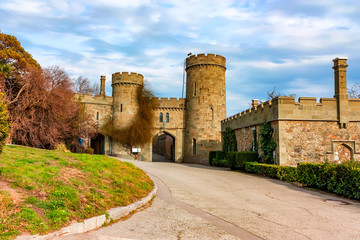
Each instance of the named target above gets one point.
<point>57,188</point>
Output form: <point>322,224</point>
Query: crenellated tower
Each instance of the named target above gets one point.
<point>205,106</point>
<point>125,104</point>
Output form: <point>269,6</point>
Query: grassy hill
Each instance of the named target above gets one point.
<point>42,190</point>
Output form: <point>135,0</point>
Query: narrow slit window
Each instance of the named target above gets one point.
<point>195,88</point>
<point>161,117</point>
<point>212,113</point>
<point>194,146</point>
<point>97,115</point>
<point>120,107</point>
<point>167,117</point>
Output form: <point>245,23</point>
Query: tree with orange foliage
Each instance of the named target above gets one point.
<point>43,109</point>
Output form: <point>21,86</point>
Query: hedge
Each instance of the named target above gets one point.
<point>218,158</point>
<point>342,179</point>
<point>237,159</point>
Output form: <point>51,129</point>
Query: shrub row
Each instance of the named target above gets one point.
<point>237,160</point>
<point>234,160</point>
<point>285,173</point>
<point>342,179</point>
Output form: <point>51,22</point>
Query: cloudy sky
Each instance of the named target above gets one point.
<point>287,44</point>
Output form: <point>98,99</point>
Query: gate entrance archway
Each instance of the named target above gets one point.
<point>163,147</point>
<point>98,144</point>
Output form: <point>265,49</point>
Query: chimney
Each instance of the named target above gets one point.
<point>102,85</point>
<point>341,90</point>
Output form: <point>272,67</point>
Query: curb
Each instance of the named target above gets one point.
<point>96,222</point>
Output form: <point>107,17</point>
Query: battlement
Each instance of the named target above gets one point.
<point>125,77</point>
<point>164,102</point>
<point>203,59</point>
<point>94,99</point>
<point>286,108</point>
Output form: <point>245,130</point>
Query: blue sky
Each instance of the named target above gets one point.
<point>269,43</point>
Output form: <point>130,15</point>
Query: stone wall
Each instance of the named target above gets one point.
<point>318,141</point>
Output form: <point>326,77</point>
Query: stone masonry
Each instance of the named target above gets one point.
<point>192,123</point>
<point>307,130</point>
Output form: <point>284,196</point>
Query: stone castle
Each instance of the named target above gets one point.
<point>307,130</point>
<point>184,129</point>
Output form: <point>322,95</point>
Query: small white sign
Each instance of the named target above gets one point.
<point>136,150</point>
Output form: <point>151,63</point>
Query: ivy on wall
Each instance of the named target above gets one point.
<point>267,142</point>
<point>229,140</point>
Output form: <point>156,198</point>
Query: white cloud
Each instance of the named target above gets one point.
<point>26,6</point>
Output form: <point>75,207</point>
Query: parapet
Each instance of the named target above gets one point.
<point>287,109</point>
<point>172,103</point>
<point>125,77</point>
<point>203,59</point>
<point>94,99</point>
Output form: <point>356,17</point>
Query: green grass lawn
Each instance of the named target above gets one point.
<point>57,188</point>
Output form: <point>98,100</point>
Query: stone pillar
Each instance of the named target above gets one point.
<point>341,90</point>
<point>102,85</point>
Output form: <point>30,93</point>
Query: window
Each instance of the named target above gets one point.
<point>97,115</point>
<point>120,107</point>
<point>161,117</point>
<point>194,146</point>
<point>167,117</point>
<point>212,113</point>
<point>194,88</point>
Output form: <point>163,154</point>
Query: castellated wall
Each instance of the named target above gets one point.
<point>305,131</point>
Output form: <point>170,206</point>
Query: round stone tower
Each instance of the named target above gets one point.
<point>125,105</point>
<point>205,106</point>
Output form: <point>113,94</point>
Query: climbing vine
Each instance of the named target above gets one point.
<point>267,142</point>
<point>229,140</point>
<point>255,144</point>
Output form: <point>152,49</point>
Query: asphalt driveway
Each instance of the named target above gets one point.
<point>199,202</point>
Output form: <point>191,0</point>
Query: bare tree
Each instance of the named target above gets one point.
<point>354,91</point>
<point>274,94</point>
<point>83,86</point>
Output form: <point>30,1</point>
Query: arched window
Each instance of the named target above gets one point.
<point>167,117</point>
<point>161,117</point>
<point>194,146</point>
<point>97,115</point>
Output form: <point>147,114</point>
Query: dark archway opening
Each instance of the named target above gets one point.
<point>98,144</point>
<point>163,148</point>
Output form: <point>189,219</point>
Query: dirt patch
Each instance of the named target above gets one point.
<point>15,195</point>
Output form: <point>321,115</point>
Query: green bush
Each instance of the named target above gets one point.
<point>274,171</point>
<point>4,123</point>
<point>218,159</point>
<point>231,160</point>
<point>212,155</point>
<point>342,179</point>
<point>242,157</point>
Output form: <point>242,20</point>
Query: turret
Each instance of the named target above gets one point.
<point>205,106</point>
<point>125,104</point>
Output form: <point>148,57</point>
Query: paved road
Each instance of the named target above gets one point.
<point>199,202</point>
